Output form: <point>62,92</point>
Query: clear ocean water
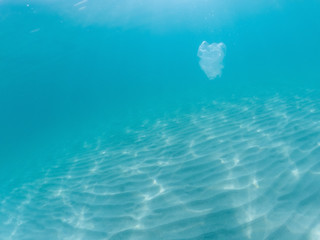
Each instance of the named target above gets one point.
<point>149,119</point>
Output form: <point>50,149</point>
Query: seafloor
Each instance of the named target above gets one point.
<point>239,169</point>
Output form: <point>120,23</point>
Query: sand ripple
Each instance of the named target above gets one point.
<point>247,169</point>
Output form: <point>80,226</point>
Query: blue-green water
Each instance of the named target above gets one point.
<point>110,128</point>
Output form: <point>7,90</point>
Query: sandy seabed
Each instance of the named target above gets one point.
<point>248,169</point>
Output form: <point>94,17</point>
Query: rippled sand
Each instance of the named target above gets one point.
<point>233,170</point>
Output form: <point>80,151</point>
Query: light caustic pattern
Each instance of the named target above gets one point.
<point>234,170</point>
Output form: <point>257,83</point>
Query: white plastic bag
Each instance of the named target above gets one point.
<point>211,58</point>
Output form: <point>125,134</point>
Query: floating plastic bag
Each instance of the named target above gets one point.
<point>211,58</point>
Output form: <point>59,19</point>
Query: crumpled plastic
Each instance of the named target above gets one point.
<point>211,58</point>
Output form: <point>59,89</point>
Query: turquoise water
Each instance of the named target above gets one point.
<point>114,125</point>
